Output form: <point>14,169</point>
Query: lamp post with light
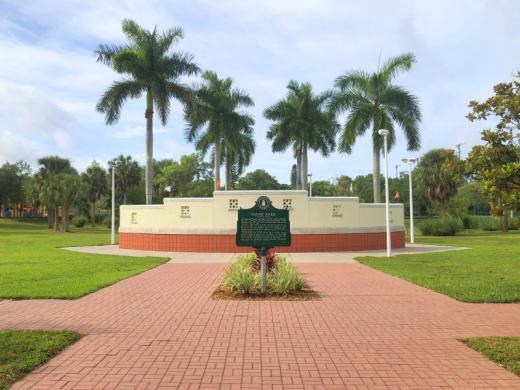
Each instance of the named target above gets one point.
<point>385,133</point>
<point>113,222</point>
<point>309,175</point>
<point>410,162</point>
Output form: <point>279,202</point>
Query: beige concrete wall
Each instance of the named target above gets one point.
<point>218,215</point>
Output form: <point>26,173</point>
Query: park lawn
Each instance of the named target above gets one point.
<point>33,266</point>
<point>502,350</point>
<point>488,272</point>
<point>21,351</point>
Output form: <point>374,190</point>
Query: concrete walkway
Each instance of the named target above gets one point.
<point>161,330</point>
<point>321,257</point>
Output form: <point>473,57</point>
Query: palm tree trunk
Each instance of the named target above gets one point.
<point>228,172</point>
<point>305,167</point>
<point>56,217</point>
<point>376,169</point>
<point>298,168</point>
<point>149,146</point>
<point>93,214</point>
<point>216,166</point>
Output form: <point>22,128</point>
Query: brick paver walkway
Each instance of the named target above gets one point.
<point>160,330</point>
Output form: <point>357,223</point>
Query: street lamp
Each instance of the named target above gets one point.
<point>410,162</point>
<point>385,133</point>
<point>113,224</point>
<point>309,175</point>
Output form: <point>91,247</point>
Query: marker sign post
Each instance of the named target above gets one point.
<point>263,227</point>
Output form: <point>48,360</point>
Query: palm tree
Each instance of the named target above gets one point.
<point>149,68</point>
<point>95,180</point>
<point>50,167</point>
<point>375,103</point>
<point>301,120</point>
<point>216,111</point>
<point>127,174</point>
<point>238,151</point>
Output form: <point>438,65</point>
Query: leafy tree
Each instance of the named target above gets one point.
<point>47,184</point>
<point>95,181</point>
<point>70,190</point>
<point>505,105</point>
<point>496,166</point>
<point>469,201</point>
<point>12,177</point>
<point>150,69</point>
<point>214,121</point>
<point>323,188</point>
<point>344,186</point>
<point>374,102</point>
<point>258,180</point>
<point>363,188</point>
<point>439,173</point>
<point>127,174</point>
<point>187,178</point>
<point>302,121</point>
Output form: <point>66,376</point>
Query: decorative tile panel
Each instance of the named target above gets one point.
<point>185,212</point>
<point>287,204</point>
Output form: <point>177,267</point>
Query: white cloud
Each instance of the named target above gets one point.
<point>14,148</point>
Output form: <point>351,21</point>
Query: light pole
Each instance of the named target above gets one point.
<point>309,175</point>
<point>113,224</point>
<point>384,133</point>
<point>410,162</point>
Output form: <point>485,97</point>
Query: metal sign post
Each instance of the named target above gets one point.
<point>263,227</point>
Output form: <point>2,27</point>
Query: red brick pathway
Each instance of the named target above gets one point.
<point>160,330</point>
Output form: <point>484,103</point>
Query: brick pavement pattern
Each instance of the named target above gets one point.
<point>161,330</point>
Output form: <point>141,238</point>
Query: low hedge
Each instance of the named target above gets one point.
<point>441,227</point>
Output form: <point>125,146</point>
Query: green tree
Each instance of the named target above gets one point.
<point>469,201</point>
<point>47,185</point>
<point>214,121</point>
<point>374,102</point>
<point>258,180</point>
<point>95,181</point>
<point>238,151</point>
<point>70,190</point>
<point>302,121</point>
<point>505,105</point>
<point>127,174</point>
<point>363,188</point>
<point>323,188</point>
<point>496,167</point>
<point>439,173</point>
<point>344,186</point>
<point>151,69</point>
<point>12,178</point>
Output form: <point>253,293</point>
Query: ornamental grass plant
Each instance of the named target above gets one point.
<point>243,276</point>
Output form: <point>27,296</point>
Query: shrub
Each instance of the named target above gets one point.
<point>441,227</point>
<point>514,223</point>
<point>470,222</point>
<point>284,278</point>
<point>270,259</point>
<point>79,221</point>
<point>490,224</point>
<point>107,221</point>
<point>241,276</point>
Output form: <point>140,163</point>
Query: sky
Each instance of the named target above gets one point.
<point>50,81</point>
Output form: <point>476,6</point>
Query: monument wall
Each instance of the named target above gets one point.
<point>209,224</point>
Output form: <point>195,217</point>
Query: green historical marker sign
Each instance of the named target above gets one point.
<point>263,226</point>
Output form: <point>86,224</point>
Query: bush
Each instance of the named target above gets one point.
<point>241,276</point>
<point>514,223</point>
<point>490,224</point>
<point>107,221</point>
<point>270,259</point>
<point>441,227</point>
<point>470,222</point>
<point>283,277</point>
<point>79,221</point>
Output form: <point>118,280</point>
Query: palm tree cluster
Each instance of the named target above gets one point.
<point>215,110</point>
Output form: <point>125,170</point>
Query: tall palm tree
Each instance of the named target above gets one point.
<point>302,120</point>
<point>373,102</point>
<point>150,68</point>
<point>95,180</point>
<point>127,174</point>
<point>238,151</point>
<point>214,120</point>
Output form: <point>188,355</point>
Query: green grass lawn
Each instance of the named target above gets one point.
<point>502,350</point>
<point>488,272</point>
<point>33,266</point>
<point>21,351</point>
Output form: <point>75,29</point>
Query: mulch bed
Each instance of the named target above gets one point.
<point>304,295</point>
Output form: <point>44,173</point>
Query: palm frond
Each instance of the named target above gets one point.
<point>397,64</point>
<point>112,100</point>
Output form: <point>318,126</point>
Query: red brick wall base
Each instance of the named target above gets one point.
<point>226,243</point>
